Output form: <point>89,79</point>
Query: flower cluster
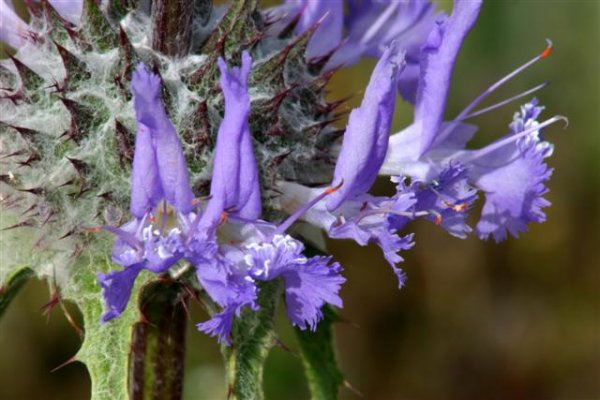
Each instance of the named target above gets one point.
<point>224,236</point>
<point>224,239</point>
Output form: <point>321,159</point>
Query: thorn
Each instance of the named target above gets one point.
<point>66,235</point>
<point>69,361</point>
<point>352,388</point>
<point>284,347</point>
<point>30,208</point>
<point>81,167</point>
<point>107,196</point>
<point>38,191</point>
<point>47,308</point>
<point>124,144</point>
<point>32,157</point>
<point>288,31</point>
<point>15,154</point>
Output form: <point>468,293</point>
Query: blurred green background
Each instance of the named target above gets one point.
<point>518,320</point>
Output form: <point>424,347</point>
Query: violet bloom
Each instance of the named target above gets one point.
<point>250,250</point>
<point>159,184</point>
<point>350,212</point>
<point>366,30</point>
<point>510,171</point>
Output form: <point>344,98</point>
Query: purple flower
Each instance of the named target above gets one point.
<point>349,212</point>
<point>370,27</point>
<point>367,134</point>
<point>363,219</point>
<point>436,64</point>
<point>373,24</point>
<point>445,200</point>
<point>234,187</point>
<point>510,171</point>
<point>251,250</point>
<point>310,283</point>
<point>116,289</point>
<point>512,177</point>
<point>159,178</point>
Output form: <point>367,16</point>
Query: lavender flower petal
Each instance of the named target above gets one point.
<point>367,134</point>
<point>235,176</point>
<point>146,188</point>
<point>116,290</point>
<point>220,324</point>
<point>437,62</point>
<point>170,161</point>
<point>447,199</point>
<point>309,283</point>
<point>513,179</point>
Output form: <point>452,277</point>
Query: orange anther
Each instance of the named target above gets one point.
<point>456,207</point>
<point>152,219</point>
<point>460,207</point>
<point>224,217</point>
<point>547,51</point>
<point>334,188</point>
<point>438,219</point>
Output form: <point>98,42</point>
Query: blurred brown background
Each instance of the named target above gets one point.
<point>518,320</point>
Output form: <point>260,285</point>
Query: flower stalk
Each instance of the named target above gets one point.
<point>158,344</point>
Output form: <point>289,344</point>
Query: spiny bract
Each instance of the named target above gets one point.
<point>67,122</point>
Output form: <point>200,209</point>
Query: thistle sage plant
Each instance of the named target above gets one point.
<point>160,152</point>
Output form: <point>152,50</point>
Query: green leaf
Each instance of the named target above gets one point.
<point>106,347</point>
<point>253,337</point>
<point>12,285</point>
<point>318,356</point>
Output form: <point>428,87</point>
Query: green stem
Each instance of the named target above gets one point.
<point>318,356</point>
<point>253,337</point>
<point>158,344</point>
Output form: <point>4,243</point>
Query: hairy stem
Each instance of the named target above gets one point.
<point>252,339</point>
<point>158,344</point>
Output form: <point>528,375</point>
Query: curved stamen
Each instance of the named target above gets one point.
<point>302,210</point>
<point>467,110</point>
<point>381,21</point>
<point>512,138</point>
<point>507,101</point>
<point>407,214</point>
<point>505,79</point>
